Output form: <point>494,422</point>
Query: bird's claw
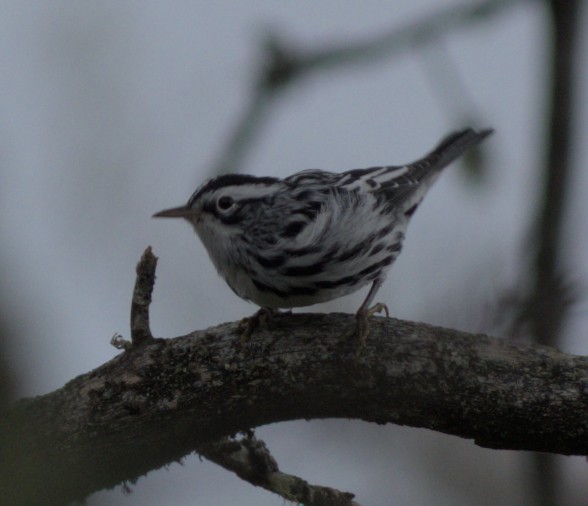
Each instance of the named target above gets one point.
<point>250,324</point>
<point>361,329</point>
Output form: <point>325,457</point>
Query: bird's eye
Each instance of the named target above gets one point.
<point>225,203</point>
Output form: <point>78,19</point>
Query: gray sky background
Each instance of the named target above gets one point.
<point>113,110</point>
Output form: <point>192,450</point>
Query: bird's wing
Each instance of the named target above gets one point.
<point>406,185</point>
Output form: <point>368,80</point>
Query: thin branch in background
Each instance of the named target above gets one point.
<point>284,65</point>
<point>397,40</point>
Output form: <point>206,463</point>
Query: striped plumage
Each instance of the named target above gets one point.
<point>315,235</point>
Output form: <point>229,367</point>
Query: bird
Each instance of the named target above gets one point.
<point>315,235</point>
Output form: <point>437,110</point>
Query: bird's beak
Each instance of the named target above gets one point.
<point>174,212</point>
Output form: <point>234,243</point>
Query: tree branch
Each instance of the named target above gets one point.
<point>159,401</point>
<point>249,458</point>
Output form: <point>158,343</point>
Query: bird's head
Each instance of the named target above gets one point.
<point>224,204</point>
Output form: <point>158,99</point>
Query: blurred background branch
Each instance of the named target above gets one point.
<point>284,64</point>
<point>551,289</point>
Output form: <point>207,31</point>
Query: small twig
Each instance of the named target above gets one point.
<point>140,331</point>
<point>249,458</point>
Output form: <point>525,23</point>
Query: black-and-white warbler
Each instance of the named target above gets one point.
<point>315,235</point>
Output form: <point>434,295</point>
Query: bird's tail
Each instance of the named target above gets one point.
<point>421,174</point>
<point>450,148</point>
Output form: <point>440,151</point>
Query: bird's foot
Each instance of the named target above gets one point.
<point>361,329</point>
<point>249,325</point>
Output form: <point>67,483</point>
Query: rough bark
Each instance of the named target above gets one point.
<point>161,400</point>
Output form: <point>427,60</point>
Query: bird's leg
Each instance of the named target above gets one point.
<point>361,329</point>
<point>363,316</point>
<point>252,323</point>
